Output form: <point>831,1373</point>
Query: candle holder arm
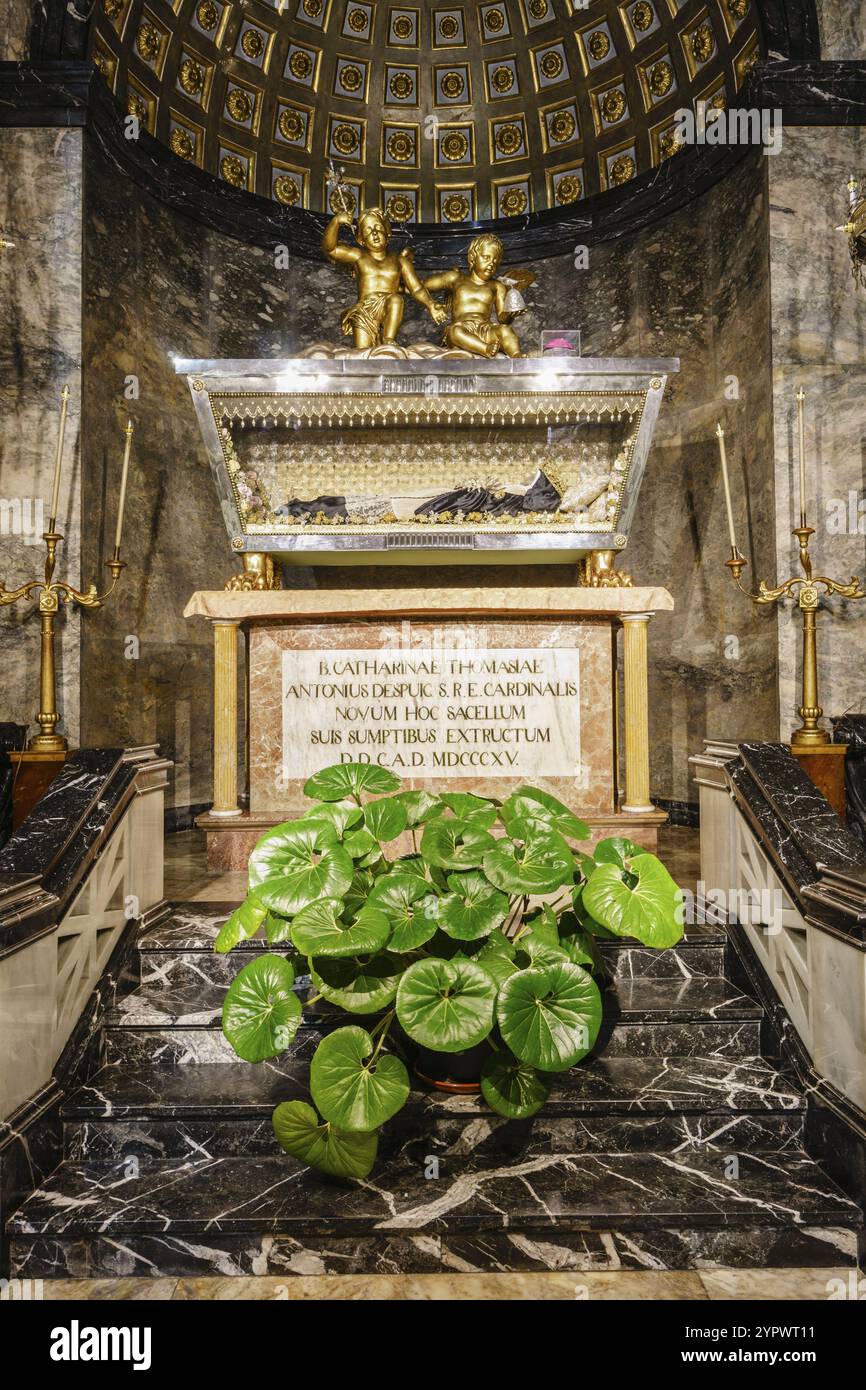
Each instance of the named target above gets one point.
<point>13,595</point>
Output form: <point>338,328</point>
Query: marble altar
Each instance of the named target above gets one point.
<point>483,688</point>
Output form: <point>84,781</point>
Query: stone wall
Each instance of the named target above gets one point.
<point>157,284</point>
<point>40,352</point>
<point>842,25</point>
<point>819,342</point>
<point>15,21</point>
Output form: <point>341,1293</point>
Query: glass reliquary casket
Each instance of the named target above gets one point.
<point>322,459</point>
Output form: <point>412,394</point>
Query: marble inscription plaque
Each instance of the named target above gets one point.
<point>438,729</point>
<point>433,712</point>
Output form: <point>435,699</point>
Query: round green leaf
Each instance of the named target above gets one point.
<point>360,843</point>
<point>385,819</point>
<point>277,929</point>
<point>339,815</point>
<point>585,863</point>
<point>446,1005</point>
<point>579,944</point>
<point>320,930</point>
<point>513,1088</point>
<point>295,865</point>
<point>616,849</point>
<point>455,844</point>
<point>243,923</point>
<point>473,908</point>
<point>261,1012</point>
<point>411,909</point>
<point>586,919</point>
<point>544,926</point>
<point>467,806</point>
<point>358,891</point>
<point>647,910</point>
<point>364,986</point>
<point>539,864</point>
<point>550,1015</point>
<point>497,957</point>
<point>298,1130</point>
<point>410,866</point>
<point>351,779</point>
<point>528,804</point>
<point>420,806</point>
<point>349,1089</point>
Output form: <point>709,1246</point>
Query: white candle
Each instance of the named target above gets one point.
<point>721,434</point>
<point>801,397</point>
<point>58,459</point>
<point>123,477</point>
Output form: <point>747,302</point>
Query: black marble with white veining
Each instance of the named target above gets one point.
<point>32,1140</point>
<point>678,1247</point>
<point>819,834</point>
<point>43,863</point>
<point>171,1167</point>
<point>584,1191</point>
<point>821,863</point>
<point>811,92</point>
<point>41,840</point>
<point>835,1128</point>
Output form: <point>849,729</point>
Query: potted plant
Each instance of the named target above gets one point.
<point>471,957</point>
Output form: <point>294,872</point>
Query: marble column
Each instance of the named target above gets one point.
<point>636,713</point>
<point>819,342</point>
<point>40,352</point>
<point>225,719</point>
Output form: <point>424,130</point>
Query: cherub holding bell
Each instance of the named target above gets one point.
<point>476,295</point>
<point>382,277</point>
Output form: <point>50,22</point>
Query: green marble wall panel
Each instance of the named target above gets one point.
<point>819,342</point>
<point>40,352</point>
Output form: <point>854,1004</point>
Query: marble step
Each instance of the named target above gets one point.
<point>660,1018</point>
<point>565,1211</point>
<point>181,949</point>
<point>607,1104</point>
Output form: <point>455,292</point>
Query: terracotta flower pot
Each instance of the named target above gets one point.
<point>453,1071</point>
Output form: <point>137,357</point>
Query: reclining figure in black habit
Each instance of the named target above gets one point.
<point>540,496</point>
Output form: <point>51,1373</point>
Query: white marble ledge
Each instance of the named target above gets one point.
<point>295,605</point>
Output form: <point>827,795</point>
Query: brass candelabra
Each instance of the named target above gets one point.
<point>52,592</point>
<point>802,586</point>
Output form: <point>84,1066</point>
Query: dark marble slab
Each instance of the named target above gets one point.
<point>810,92</point>
<point>817,832</point>
<point>551,1191</point>
<point>190,927</point>
<point>608,1104</point>
<point>644,999</point>
<point>730,1038</point>
<point>683,962</point>
<point>822,865</point>
<point>621,1084</point>
<point>43,837</point>
<point>835,1128</point>
<point>418,1137</point>
<point>761,1247</point>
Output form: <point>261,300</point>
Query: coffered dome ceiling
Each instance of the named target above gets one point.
<point>438,112</point>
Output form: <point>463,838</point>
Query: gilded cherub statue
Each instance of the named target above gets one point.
<point>474,297</point>
<point>381,275</point>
